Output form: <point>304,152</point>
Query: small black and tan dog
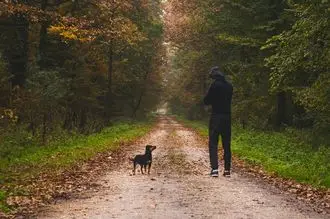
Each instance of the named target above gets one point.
<point>143,160</point>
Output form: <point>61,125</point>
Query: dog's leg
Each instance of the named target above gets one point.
<point>134,167</point>
<point>141,169</point>
<point>145,168</point>
<point>149,166</point>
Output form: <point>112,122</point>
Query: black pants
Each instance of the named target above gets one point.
<point>220,125</point>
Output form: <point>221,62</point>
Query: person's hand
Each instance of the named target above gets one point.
<point>208,109</point>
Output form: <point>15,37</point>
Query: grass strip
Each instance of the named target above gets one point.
<point>58,156</point>
<point>278,152</point>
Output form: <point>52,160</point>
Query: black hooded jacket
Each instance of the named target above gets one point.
<point>220,96</point>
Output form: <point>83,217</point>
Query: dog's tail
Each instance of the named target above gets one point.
<point>130,158</point>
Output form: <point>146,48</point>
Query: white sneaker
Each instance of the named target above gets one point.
<point>215,173</point>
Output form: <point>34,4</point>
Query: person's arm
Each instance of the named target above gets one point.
<point>209,96</point>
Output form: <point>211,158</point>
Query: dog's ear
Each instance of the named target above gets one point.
<point>150,147</point>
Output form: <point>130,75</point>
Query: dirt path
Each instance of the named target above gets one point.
<point>178,187</point>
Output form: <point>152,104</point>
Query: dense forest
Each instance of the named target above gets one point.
<point>77,65</point>
<point>275,52</point>
<point>81,82</point>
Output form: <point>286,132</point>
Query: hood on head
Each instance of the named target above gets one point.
<point>215,73</point>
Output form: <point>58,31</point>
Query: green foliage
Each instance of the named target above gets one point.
<point>48,86</point>
<point>76,66</point>
<point>231,37</point>
<point>286,154</point>
<point>14,141</point>
<point>224,38</point>
<point>300,62</point>
<point>275,53</point>
<point>22,157</point>
<point>3,205</point>
<point>288,158</point>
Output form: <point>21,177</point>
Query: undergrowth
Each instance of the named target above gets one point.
<point>278,152</point>
<point>28,159</point>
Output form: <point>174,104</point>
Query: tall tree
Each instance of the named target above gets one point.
<point>82,62</point>
<point>268,49</point>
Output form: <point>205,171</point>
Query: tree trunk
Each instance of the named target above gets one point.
<point>67,121</point>
<point>110,69</point>
<point>108,98</point>
<point>281,109</point>
<point>243,122</point>
<point>10,100</point>
<point>204,89</point>
<point>32,126</point>
<point>44,128</point>
<point>83,120</point>
<point>43,37</point>
<point>136,108</point>
<point>15,50</point>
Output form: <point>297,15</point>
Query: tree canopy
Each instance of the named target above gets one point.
<point>276,54</point>
<point>78,64</point>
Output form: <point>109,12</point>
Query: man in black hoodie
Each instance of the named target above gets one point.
<point>219,96</point>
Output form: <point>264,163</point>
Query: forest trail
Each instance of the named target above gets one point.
<point>178,187</point>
